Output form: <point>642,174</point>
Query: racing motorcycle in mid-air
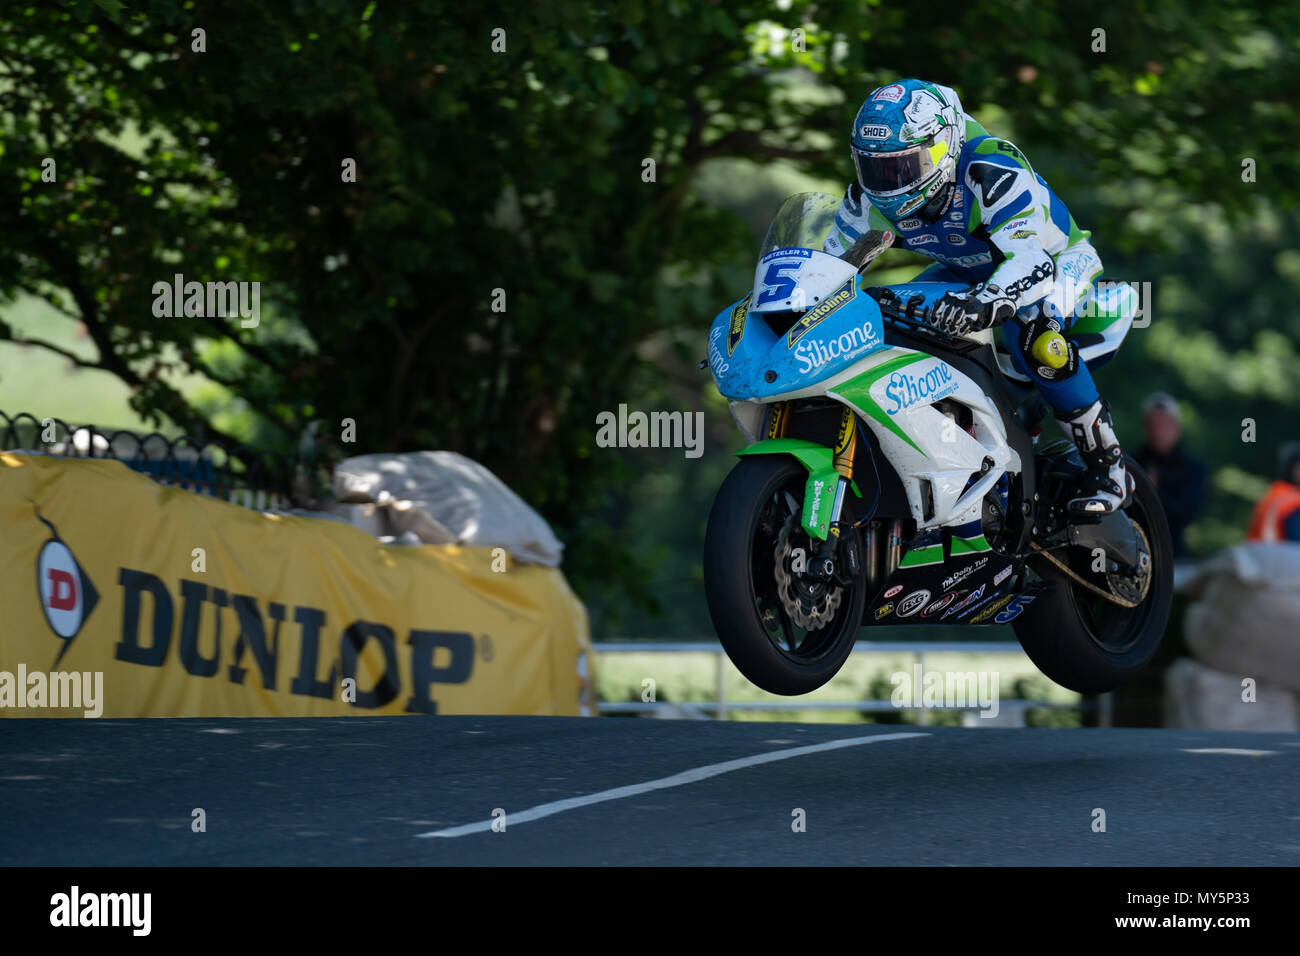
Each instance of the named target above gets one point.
<point>894,475</point>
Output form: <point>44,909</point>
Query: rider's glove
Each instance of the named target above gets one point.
<point>979,307</point>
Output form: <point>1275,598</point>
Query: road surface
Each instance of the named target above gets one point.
<point>613,791</point>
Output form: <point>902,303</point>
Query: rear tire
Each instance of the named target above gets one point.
<point>1085,644</point>
<point>751,508</point>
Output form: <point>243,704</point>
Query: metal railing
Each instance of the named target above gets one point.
<point>918,649</point>
<point>242,475</point>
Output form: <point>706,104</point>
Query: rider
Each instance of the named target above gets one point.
<point>937,183</point>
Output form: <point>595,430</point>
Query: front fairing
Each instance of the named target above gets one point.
<point>750,362</point>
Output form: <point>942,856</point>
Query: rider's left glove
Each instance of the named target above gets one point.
<point>979,307</point>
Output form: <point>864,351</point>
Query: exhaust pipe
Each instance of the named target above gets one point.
<point>873,556</point>
<point>894,550</point>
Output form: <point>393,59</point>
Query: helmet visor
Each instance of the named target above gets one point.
<point>888,174</point>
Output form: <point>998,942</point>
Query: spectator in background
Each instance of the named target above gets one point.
<point>1180,478</point>
<point>1277,515</point>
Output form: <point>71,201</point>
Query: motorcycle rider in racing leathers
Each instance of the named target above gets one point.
<point>931,179</point>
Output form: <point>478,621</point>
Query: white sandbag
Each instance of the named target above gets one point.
<point>1257,564</point>
<point>1246,619</point>
<point>442,497</point>
<point>370,518</point>
<point>1200,698</point>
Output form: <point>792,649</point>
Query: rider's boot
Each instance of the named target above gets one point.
<point>1106,483</point>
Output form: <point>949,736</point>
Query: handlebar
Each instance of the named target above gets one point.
<point>905,316</point>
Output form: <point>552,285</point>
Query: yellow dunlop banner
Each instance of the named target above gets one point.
<point>193,607</point>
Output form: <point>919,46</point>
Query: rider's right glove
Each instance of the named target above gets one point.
<point>979,307</point>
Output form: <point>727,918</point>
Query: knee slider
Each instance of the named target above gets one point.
<point>1051,356</point>
<point>1051,349</point>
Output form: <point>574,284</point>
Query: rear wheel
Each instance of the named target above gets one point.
<point>788,632</point>
<point>1085,642</point>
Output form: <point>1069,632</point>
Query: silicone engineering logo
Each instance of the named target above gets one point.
<point>67,595</point>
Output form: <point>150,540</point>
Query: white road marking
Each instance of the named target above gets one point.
<point>1232,751</point>
<point>663,783</point>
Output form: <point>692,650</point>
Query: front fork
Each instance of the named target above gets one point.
<point>830,478</point>
<point>838,557</point>
<point>847,443</point>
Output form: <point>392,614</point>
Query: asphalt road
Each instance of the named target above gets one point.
<point>361,791</point>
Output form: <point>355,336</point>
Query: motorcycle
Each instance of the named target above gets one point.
<point>894,476</point>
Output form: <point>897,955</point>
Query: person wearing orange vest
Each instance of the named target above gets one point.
<point>1277,515</point>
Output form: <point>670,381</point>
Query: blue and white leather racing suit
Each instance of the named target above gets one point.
<point>1003,225</point>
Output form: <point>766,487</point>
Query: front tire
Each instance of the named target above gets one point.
<point>1080,640</point>
<point>757,607</point>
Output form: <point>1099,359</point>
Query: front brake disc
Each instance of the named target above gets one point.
<point>810,605</point>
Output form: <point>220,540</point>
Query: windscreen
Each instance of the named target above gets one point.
<point>803,222</point>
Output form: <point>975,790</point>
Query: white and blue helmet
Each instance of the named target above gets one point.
<point>906,141</point>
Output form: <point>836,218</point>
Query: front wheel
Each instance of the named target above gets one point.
<point>788,632</point>
<point>1085,642</point>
